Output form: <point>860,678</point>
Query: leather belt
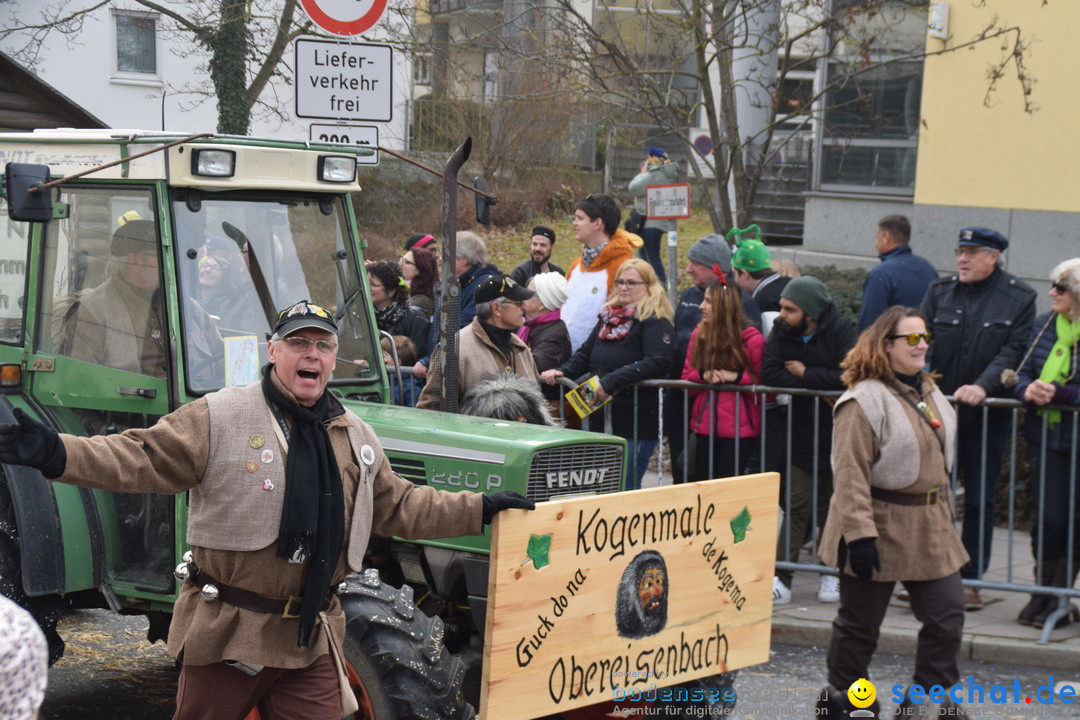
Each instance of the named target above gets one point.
<point>288,608</point>
<point>926,499</point>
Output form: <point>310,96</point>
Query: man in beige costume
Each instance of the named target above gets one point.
<point>286,486</point>
<point>488,345</point>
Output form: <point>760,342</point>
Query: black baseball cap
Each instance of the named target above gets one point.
<point>498,285</point>
<point>304,315</point>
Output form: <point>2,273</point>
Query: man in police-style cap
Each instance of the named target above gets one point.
<point>981,318</point>
<point>286,486</point>
<point>489,344</point>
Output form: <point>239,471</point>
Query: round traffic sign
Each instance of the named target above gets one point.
<point>703,143</point>
<point>345,17</point>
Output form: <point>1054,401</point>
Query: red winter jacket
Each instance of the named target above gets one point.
<point>750,406</point>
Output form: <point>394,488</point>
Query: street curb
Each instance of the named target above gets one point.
<point>984,648</point>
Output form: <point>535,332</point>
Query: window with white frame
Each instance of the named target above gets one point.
<point>870,118</point>
<point>422,69</point>
<point>136,44</point>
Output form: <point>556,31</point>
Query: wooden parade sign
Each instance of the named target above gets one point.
<point>600,598</point>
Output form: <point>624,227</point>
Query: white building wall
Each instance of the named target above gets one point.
<point>84,69</point>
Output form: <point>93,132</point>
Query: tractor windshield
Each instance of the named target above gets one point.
<point>241,258</point>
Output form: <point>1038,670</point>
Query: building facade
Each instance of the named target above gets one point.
<point>988,153</point>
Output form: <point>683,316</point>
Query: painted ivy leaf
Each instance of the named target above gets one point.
<point>739,524</point>
<point>539,546</point>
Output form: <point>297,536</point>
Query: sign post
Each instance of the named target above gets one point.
<point>669,202</point>
<point>617,597</point>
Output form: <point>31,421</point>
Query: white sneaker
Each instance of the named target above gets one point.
<point>829,590</point>
<point>781,595</point>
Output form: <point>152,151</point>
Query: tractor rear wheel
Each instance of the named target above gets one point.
<point>397,663</point>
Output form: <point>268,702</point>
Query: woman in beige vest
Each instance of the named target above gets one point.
<point>890,517</point>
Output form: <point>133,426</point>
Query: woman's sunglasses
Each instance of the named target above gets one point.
<point>914,338</point>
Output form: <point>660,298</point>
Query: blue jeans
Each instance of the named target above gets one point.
<point>979,492</point>
<point>637,461</point>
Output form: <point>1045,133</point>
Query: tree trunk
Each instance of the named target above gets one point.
<point>228,69</point>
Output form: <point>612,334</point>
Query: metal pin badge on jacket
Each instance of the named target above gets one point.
<point>367,454</point>
<point>268,455</point>
<point>268,484</point>
<point>256,441</point>
<point>252,466</point>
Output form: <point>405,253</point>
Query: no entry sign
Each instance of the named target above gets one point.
<point>345,17</point>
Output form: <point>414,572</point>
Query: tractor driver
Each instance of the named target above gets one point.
<point>120,323</point>
<point>286,486</point>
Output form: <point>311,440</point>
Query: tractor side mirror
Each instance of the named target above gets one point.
<point>27,200</point>
<point>483,204</point>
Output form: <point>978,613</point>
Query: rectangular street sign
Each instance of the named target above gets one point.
<point>343,80</point>
<point>667,202</point>
<point>617,597</point>
<point>365,136</point>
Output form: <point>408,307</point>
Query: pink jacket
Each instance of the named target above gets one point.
<point>749,405</point>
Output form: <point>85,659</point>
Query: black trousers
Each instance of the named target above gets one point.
<point>938,605</point>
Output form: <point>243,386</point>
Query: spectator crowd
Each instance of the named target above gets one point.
<point>749,319</point>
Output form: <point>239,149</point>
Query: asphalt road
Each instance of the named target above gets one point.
<point>110,672</point>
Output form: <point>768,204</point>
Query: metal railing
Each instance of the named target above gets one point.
<point>1017,484</point>
<point>776,400</point>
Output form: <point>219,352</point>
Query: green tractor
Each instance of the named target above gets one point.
<point>283,212</point>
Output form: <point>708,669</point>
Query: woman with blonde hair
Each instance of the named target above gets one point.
<point>632,342</point>
<point>891,514</point>
<point>724,348</point>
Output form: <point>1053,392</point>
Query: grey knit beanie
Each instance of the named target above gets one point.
<point>809,294</point>
<point>711,250</point>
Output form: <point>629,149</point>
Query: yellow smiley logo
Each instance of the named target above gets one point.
<point>861,693</point>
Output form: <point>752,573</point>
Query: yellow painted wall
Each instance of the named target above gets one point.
<point>998,155</point>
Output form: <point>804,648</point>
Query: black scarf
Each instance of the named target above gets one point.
<point>313,515</point>
<point>387,318</point>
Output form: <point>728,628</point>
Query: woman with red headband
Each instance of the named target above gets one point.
<point>726,348</point>
<point>421,272</point>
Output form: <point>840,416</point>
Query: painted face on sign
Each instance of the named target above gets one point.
<point>651,590</point>
<point>642,597</point>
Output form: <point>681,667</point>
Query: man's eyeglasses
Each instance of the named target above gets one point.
<point>630,283</point>
<point>914,338</point>
<point>1060,288</point>
<point>301,345</point>
<point>971,251</point>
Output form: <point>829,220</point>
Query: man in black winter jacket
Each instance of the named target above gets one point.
<point>805,348</point>
<point>981,318</point>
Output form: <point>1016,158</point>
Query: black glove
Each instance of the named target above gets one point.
<point>862,554</point>
<point>28,442</point>
<point>505,500</point>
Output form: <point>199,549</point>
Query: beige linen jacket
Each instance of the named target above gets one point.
<point>479,359</point>
<point>913,542</point>
<point>174,455</point>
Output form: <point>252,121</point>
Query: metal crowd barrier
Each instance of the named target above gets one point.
<point>777,400</point>
<point>1018,550</point>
